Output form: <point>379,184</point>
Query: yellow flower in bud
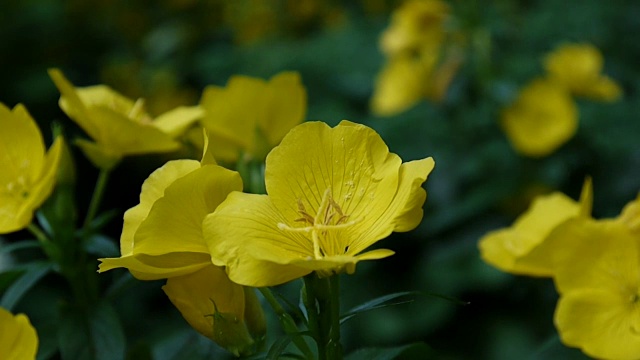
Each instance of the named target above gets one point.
<point>118,125</point>
<point>523,248</point>
<point>332,193</point>
<point>18,338</point>
<point>225,312</point>
<point>250,116</point>
<point>597,269</point>
<point>543,118</point>
<point>28,174</point>
<point>578,67</point>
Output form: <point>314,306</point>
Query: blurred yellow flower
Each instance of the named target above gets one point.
<point>118,125</point>
<point>332,193</point>
<point>523,248</point>
<point>419,63</point>
<point>28,173</point>
<point>599,286</point>
<point>18,338</point>
<point>250,116</point>
<point>162,238</point>
<point>578,67</point>
<point>543,118</point>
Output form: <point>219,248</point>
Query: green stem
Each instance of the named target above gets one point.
<point>39,234</point>
<point>287,322</point>
<point>96,198</point>
<point>334,347</point>
<point>309,300</point>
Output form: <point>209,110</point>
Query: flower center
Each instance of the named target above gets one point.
<point>322,226</point>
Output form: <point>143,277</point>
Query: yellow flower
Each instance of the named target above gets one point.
<point>416,25</point>
<point>597,277</point>
<point>118,125</point>
<point>543,118</point>
<point>28,173</point>
<point>18,338</point>
<point>578,67</point>
<point>332,193</point>
<point>250,116</point>
<point>523,248</point>
<point>162,238</point>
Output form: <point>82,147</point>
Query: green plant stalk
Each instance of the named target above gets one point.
<point>334,347</point>
<point>323,309</point>
<point>96,198</point>
<point>309,301</point>
<point>287,322</point>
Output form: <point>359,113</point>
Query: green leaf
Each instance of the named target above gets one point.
<point>379,302</point>
<point>34,272</point>
<point>24,244</point>
<point>92,334</point>
<point>278,347</point>
<point>101,246</point>
<point>411,351</point>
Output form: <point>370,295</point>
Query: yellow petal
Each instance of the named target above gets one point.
<point>286,107</point>
<point>195,295</point>
<point>243,234</point>
<point>152,189</point>
<point>508,249</point>
<point>399,86</point>
<point>18,338</point>
<point>146,267</point>
<point>603,89</point>
<point>595,254</point>
<point>601,323</point>
<point>174,223</point>
<point>72,105</point>
<point>21,145</point>
<point>176,121</point>
<point>543,118</point>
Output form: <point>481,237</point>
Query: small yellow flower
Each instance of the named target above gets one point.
<point>597,277</point>
<point>28,173</point>
<point>578,67</point>
<point>543,118</point>
<point>18,338</point>
<point>523,248</point>
<point>250,116</point>
<point>332,193</point>
<point>118,125</point>
<point>416,25</point>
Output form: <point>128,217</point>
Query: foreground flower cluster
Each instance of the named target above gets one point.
<point>594,264</point>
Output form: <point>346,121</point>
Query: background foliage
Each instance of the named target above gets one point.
<point>167,51</point>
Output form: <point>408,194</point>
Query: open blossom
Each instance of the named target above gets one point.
<point>542,118</point>
<point>578,67</point>
<point>332,193</point>
<point>119,126</point>
<point>18,338</point>
<point>250,116</point>
<point>28,172</point>
<point>598,278</point>
<point>162,239</point>
<point>523,248</point>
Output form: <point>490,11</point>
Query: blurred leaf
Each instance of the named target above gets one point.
<point>379,302</point>
<point>92,334</point>
<point>24,244</point>
<point>411,351</point>
<point>34,272</point>
<point>101,246</point>
<point>278,347</point>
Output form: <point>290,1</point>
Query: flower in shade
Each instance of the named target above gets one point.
<point>118,125</point>
<point>523,248</point>
<point>18,338</point>
<point>250,116</point>
<point>578,67</point>
<point>28,172</point>
<point>598,278</point>
<point>162,239</point>
<point>332,193</point>
<point>543,118</point>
